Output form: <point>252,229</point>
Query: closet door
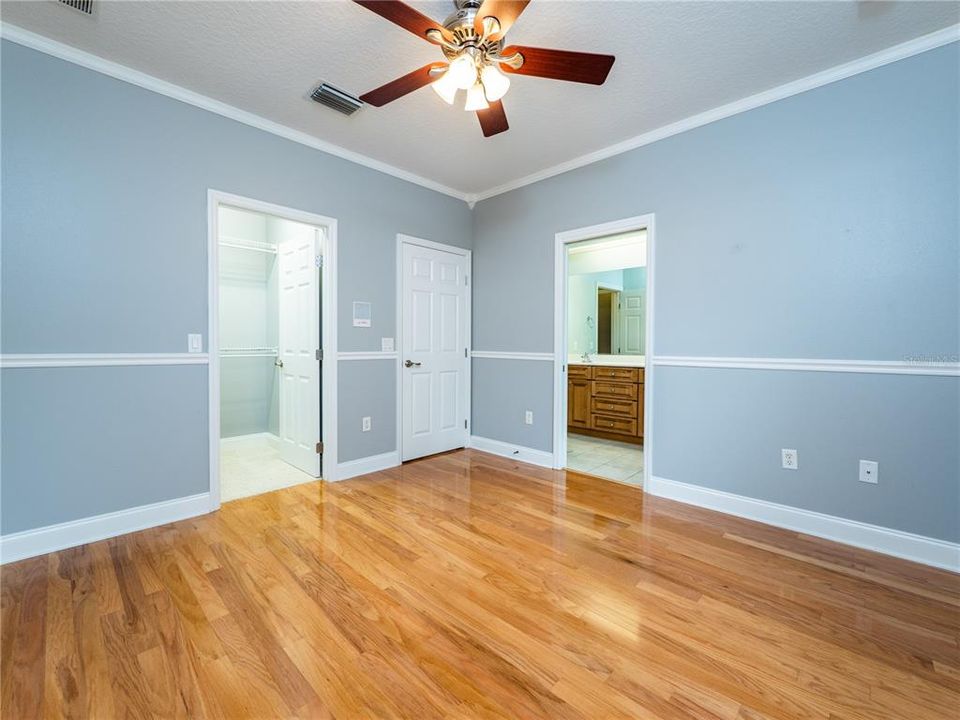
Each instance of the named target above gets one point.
<point>299,343</point>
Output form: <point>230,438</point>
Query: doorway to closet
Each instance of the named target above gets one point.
<point>268,375</point>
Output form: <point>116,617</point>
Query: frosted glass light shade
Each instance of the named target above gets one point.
<point>495,83</point>
<point>476,100</point>
<point>463,71</point>
<point>445,87</point>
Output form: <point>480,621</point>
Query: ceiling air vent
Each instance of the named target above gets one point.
<point>336,99</point>
<point>84,6</point>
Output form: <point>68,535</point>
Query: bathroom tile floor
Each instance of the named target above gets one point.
<point>251,464</point>
<point>605,458</point>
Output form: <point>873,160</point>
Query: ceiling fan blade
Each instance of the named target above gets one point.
<point>493,120</point>
<point>406,17</point>
<point>560,64</point>
<point>401,86</point>
<point>505,11</point>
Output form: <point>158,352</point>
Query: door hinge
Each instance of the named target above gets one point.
<point>319,354</point>
<point>464,424</point>
<point>319,447</point>
<point>465,353</point>
<point>466,280</point>
<point>319,261</point>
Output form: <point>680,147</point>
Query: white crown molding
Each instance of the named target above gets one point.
<point>873,367</point>
<point>840,72</point>
<point>149,82</point>
<point>371,355</point>
<point>98,64</point>
<point>929,551</point>
<point>494,355</point>
<point>514,452</point>
<point>367,465</point>
<point>29,543</point>
<point>58,360</point>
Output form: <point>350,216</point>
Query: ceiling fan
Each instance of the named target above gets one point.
<point>476,60</point>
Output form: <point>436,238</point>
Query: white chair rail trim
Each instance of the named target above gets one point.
<point>909,366</point>
<point>56,360</point>
<point>368,355</point>
<point>495,355</point>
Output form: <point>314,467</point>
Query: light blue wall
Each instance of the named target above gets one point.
<point>104,250</point>
<point>79,442</point>
<point>824,225</point>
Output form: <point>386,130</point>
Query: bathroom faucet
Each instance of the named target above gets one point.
<point>586,357</point>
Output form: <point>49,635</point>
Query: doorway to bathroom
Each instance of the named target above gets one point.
<point>602,388</point>
<point>270,385</point>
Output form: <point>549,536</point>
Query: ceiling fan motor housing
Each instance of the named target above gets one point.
<point>461,26</point>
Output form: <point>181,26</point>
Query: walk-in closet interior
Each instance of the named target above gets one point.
<point>269,293</point>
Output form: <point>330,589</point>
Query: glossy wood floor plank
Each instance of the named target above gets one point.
<point>471,586</point>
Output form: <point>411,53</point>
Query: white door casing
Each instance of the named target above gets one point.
<point>632,323</point>
<point>299,341</point>
<point>434,341</point>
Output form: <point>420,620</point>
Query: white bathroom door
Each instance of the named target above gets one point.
<point>299,308</point>
<point>433,349</point>
<point>632,323</point>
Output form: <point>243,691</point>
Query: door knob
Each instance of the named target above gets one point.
<point>278,363</point>
<point>411,363</point>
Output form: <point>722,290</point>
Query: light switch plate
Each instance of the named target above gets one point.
<point>386,344</point>
<point>195,343</point>
<point>366,424</point>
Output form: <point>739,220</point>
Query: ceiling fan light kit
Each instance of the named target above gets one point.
<point>476,61</point>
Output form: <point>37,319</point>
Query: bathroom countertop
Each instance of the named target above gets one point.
<point>616,360</point>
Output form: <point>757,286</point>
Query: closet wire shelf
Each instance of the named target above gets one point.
<point>249,352</point>
<point>226,241</point>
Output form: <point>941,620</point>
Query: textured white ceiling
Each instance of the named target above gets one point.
<point>674,59</point>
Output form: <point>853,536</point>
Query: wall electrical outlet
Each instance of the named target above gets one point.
<point>386,344</point>
<point>869,471</point>
<point>366,424</point>
<point>528,417</point>
<point>789,459</point>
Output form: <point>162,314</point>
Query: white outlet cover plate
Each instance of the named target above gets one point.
<point>789,459</point>
<point>386,344</point>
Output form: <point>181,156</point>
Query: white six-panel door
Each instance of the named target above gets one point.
<point>632,322</point>
<point>299,342</point>
<point>433,351</point>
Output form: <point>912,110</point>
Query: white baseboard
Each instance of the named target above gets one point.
<point>929,551</point>
<point>363,466</point>
<point>517,452</point>
<point>29,543</point>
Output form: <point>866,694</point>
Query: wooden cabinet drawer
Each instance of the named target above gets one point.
<point>580,371</point>
<point>614,406</point>
<point>615,373</point>
<point>615,389</point>
<point>619,425</point>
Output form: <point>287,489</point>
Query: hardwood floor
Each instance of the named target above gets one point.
<point>471,586</point>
